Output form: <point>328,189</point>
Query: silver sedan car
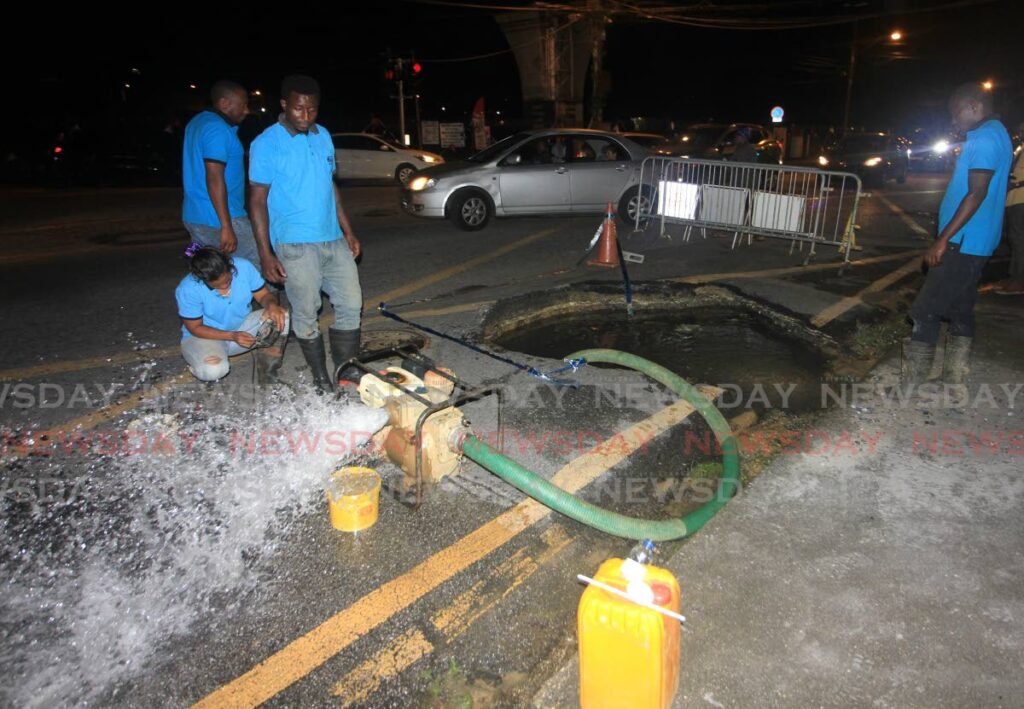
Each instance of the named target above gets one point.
<point>575,171</point>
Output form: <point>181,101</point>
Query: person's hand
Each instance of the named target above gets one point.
<point>933,256</point>
<point>243,339</point>
<point>354,246</point>
<point>273,270</point>
<point>228,240</point>
<point>276,313</point>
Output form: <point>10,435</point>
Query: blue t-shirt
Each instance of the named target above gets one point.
<point>987,148</point>
<point>299,169</point>
<point>209,137</point>
<point>198,300</point>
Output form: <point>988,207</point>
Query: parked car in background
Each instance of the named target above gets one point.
<point>368,156</point>
<point>875,157</point>
<point>655,143</point>
<point>717,141</point>
<point>932,151</point>
<point>558,171</point>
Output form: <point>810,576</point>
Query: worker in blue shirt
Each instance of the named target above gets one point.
<point>302,233</point>
<point>970,226</point>
<point>213,173</point>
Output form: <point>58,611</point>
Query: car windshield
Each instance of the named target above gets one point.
<point>862,143</point>
<point>488,154</point>
<point>701,137</point>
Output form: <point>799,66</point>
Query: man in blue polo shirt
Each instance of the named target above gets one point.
<point>213,171</point>
<point>970,226</point>
<point>296,210</point>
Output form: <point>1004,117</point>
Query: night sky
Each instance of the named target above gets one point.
<point>667,71</point>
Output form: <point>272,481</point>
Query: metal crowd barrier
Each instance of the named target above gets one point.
<point>801,204</point>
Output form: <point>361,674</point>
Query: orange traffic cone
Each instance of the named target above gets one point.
<point>608,246</point>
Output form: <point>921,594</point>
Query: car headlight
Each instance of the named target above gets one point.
<point>940,147</point>
<point>873,162</point>
<point>823,161</point>
<point>427,158</point>
<point>418,184</point>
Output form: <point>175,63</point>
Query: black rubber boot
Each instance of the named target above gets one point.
<point>268,362</point>
<point>316,357</point>
<point>956,363</point>
<point>344,346</point>
<point>917,362</point>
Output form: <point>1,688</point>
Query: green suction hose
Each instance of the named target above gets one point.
<point>612,522</point>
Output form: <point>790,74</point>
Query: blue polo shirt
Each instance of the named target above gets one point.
<point>209,137</point>
<point>299,169</point>
<point>198,300</point>
<point>987,148</point>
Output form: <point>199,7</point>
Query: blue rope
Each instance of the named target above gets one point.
<point>625,281</point>
<point>573,365</point>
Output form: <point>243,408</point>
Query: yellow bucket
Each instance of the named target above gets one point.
<point>353,495</point>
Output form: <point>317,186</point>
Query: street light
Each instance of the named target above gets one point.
<point>895,36</point>
<point>988,84</point>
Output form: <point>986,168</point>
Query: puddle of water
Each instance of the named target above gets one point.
<point>759,369</point>
<point>151,544</point>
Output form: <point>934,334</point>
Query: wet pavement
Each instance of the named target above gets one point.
<point>158,572</point>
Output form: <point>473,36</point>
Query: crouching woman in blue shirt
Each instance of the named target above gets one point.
<point>218,322</point>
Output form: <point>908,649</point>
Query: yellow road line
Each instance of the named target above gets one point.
<point>455,619</point>
<point>42,370</point>
<point>438,276</point>
<point>904,217</point>
<point>836,309</point>
<point>769,272</point>
<point>78,365</point>
<point>366,679</point>
<point>450,621</point>
<point>460,267</point>
<point>308,652</point>
<point>107,413</point>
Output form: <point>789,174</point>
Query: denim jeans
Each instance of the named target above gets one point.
<point>323,266</point>
<point>210,236</point>
<point>1015,237</point>
<point>195,350</point>
<point>948,293</point>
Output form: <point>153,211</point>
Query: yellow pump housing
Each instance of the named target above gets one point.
<point>398,438</point>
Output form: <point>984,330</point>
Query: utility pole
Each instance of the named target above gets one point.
<point>849,81</point>
<point>419,124</point>
<point>401,111</point>
<point>596,99</point>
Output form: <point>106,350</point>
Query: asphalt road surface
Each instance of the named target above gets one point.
<point>188,567</point>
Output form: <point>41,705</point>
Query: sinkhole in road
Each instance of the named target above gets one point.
<point>763,359</point>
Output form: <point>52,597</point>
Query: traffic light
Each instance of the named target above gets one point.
<point>399,69</point>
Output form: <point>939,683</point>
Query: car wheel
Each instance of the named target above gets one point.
<point>633,200</point>
<point>404,173</point>
<point>469,210</point>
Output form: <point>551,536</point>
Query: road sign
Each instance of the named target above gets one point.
<point>777,114</point>
<point>453,135</point>
<point>430,132</point>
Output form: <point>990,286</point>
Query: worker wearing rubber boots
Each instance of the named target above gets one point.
<point>296,210</point>
<point>970,225</point>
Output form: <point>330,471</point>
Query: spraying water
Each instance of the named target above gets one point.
<point>161,529</point>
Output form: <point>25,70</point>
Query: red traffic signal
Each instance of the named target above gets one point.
<point>416,68</point>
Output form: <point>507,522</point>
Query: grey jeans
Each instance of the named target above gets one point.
<point>323,266</point>
<point>210,236</point>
